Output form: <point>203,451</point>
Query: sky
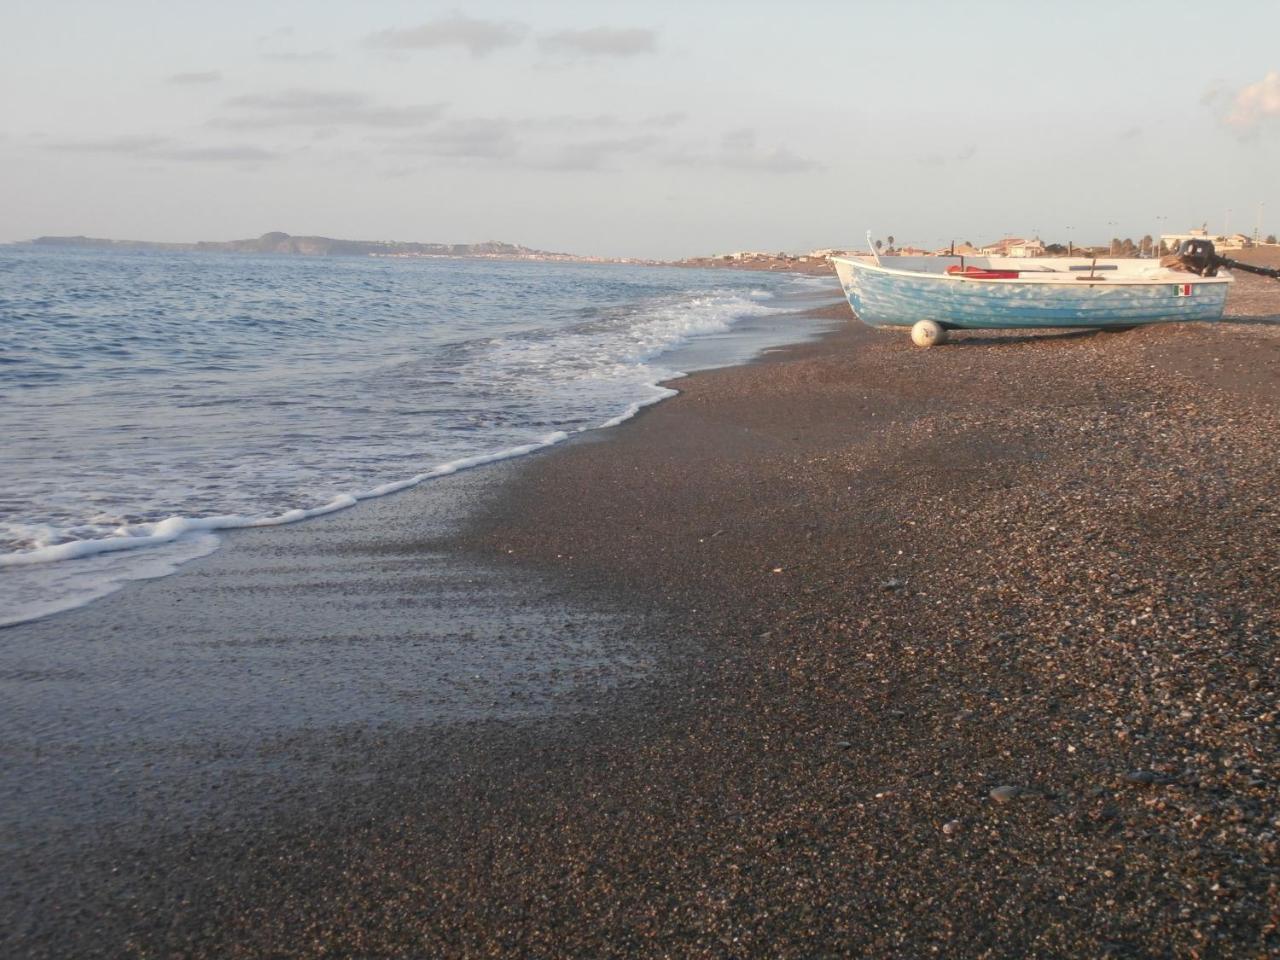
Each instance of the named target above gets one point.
<point>653,129</point>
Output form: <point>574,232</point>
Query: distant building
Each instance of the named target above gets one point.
<point>1235,241</point>
<point>957,250</point>
<point>1027,248</point>
<point>1000,248</point>
<point>1014,247</point>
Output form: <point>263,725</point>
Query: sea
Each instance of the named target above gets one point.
<point>150,401</point>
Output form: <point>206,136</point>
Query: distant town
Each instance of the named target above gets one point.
<point>814,261</point>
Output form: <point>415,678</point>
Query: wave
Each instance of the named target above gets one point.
<point>585,370</point>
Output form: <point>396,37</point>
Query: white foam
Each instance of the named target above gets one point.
<point>34,592</point>
<point>571,372</point>
<point>173,528</point>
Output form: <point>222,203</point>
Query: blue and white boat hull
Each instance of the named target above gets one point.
<point>1070,293</point>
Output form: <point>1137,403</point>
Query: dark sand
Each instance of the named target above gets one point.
<point>869,586</point>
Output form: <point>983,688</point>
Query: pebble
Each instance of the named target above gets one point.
<point>1006,793</point>
<point>951,828</point>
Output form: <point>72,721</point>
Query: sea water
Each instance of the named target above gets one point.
<point>148,400</point>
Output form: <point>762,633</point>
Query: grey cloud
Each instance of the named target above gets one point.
<point>941,160</point>
<point>475,138</point>
<point>163,148</point>
<point>565,121</point>
<point>279,55</point>
<point>739,140</point>
<point>321,108</point>
<point>299,56</point>
<point>207,76</point>
<point>122,144</point>
<point>595,154</point>
<point>236,154</point>
<point>280,33</point>
<point>777,160</point>
<point>600,42</point>
<point>740,150</point>
<point>290,100</point>
<point>480,37</point>
<point>665,120</point>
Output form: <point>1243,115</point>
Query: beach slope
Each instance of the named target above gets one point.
<point>969,651</point>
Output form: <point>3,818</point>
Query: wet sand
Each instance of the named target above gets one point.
<point>967,652</point>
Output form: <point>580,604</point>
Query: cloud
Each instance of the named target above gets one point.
<point>478,138</point>
<point>739,141</point>
<point>207,76</point>
<point>293,100</point>
<point>299,56</point>
<point>269,43</point>
<point>1255,103</point>
<point>740,150</point>
<point>126,144</point>
<point>321,108</point>
<point>567,121</point>
<point>280,33</point>
<point>596,154</point>
<point>235,154</point>
<point>480,37</point>
<point>665,121</point>
<point>941,160</point>
<point>777,160</point>
<point>600,42</point>
<point>163,148</point>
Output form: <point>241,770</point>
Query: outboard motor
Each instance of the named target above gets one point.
<point>1200,257</point>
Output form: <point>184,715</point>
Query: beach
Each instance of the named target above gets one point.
<point>857,649</point>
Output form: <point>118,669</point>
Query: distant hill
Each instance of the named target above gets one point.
<point>283,243</point>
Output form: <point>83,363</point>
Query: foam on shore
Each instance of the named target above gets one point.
<point>590,369</point>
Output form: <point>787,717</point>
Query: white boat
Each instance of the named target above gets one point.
<point>932,295</point>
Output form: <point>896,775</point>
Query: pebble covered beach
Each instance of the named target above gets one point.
<point>961,652</point>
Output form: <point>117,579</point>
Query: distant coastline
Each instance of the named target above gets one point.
<point>278,242</point>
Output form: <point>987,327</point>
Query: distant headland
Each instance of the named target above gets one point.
<point>283,243</point>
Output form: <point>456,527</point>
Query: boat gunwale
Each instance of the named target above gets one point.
<point>1047,278</point>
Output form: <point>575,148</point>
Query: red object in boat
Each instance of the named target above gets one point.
<point>981,273</point>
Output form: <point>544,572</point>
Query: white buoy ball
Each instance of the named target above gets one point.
<point>927,332</point>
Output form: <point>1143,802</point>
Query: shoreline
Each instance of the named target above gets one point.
<point>831,695</point>
<point>157,548</point>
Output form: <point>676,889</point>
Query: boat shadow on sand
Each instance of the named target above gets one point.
<point>1272,321</point>
<point>981,338</point>
<point>977,338</point>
